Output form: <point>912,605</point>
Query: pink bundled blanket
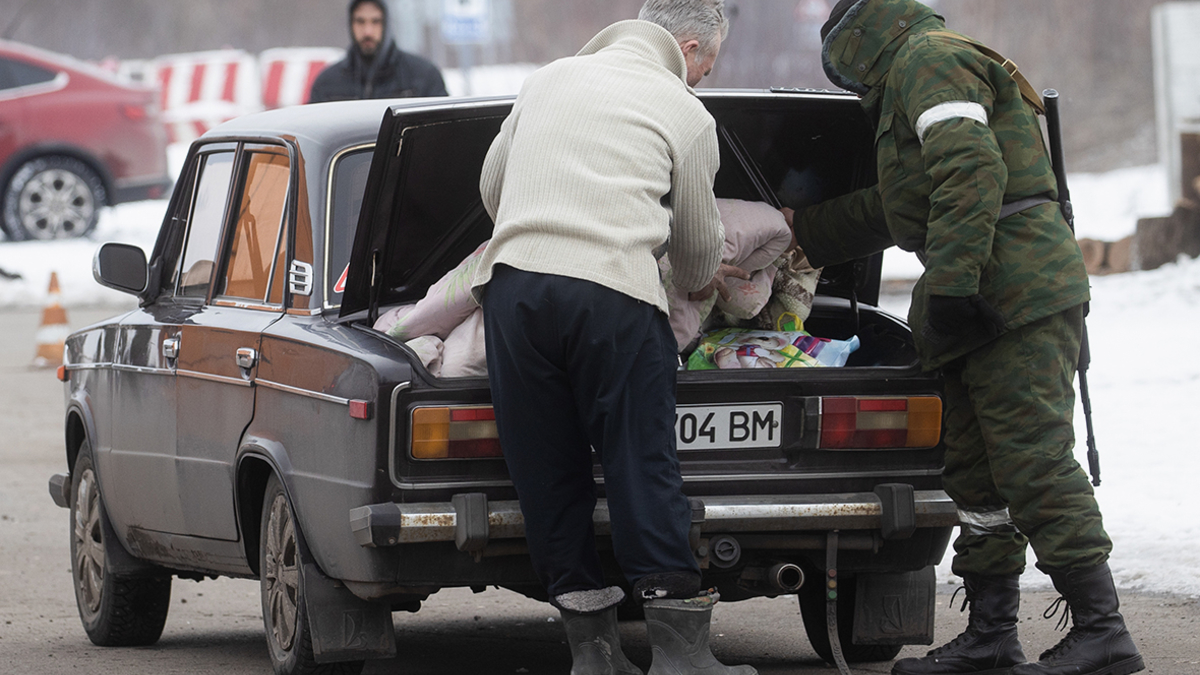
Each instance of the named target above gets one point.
<point>755,236</point>
<point>445,328</point>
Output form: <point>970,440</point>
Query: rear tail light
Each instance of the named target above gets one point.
<point>136,113</point>
<point>849,422</point>
<point>454,433</point>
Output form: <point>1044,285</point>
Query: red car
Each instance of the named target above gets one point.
<point>72,139</point>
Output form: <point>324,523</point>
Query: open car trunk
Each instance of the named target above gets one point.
<point>422,214</point>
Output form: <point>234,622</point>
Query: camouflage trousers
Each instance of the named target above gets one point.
<point>1010,465</point>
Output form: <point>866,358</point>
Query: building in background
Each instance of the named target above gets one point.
<point>1177,94</point>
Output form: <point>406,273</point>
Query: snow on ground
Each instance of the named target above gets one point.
<point>134,223</point>
<point>1145,384</point>
<point>1144,381</point>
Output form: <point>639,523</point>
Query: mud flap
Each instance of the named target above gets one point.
<point>895,609</point>
<point>345,627</point>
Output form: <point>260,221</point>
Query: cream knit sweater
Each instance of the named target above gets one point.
<point>606,157</point>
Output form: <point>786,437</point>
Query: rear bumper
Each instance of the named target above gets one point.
<point>471,521</point>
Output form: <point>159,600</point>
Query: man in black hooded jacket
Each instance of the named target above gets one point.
<point>374,67</point>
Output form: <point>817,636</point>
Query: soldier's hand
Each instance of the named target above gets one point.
<point>789,215</point>
<point>957,316</point>
<point>718,283</point>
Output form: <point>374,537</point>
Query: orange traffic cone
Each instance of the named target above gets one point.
<point>53,332</point>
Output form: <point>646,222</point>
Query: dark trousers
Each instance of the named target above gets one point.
<point>576,366</point>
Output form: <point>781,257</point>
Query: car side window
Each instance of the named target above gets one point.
<point>254,268</point>
<point>349,182</point>
<point>15,74</point>
<point>25,74</point>
<point>204,224</point>
<point>7,81</point>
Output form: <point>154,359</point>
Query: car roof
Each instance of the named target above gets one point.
<point>57,61</point>
<point>327,125</point>
<point>331,125</point>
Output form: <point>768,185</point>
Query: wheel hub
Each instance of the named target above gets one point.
<point>89,543</point>
<point>55,204</point>
<point>281,574</point>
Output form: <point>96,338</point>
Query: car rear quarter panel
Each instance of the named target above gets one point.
<point>330,462</point>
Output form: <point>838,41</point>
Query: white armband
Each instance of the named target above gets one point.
<point>949,111</point>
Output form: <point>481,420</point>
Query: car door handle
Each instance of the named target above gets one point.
<point>246,357</point>
<point>170,348</point>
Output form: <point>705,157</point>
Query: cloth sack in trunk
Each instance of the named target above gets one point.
<point>755,236</point>
<point>791,293</point>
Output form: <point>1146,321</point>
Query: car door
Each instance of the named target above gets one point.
<point>220,344</point>
<point>137,459</point>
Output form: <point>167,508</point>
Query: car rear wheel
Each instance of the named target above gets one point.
<point>813,611</point>
<point>285,617</point>
<point>52,197</point>
<point>116,610</point>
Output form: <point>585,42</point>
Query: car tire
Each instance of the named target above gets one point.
<point>812,610</point>
<point>53,197</point>
<point>285,617</point>
<point>116,610</point>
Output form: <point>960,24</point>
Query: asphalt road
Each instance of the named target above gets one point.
<point>216,626</point>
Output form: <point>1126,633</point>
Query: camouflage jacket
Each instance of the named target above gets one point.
<point>954,142</point>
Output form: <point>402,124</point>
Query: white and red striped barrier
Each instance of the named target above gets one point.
<point>288,73</point>
<point>203,89</point>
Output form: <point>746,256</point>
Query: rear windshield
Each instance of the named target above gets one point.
<point>349,182</point>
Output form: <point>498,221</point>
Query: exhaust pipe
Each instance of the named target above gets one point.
<point>787,577</point>
<point>776,579</point>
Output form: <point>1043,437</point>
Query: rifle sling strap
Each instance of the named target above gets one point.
<point>1027,91</point>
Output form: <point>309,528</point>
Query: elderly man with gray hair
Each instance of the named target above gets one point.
<point>606,162</point>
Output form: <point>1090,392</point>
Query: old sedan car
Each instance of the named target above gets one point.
<point>247,420</point>
<point>72,139</point>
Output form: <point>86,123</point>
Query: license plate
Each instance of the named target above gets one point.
<point>714,427</point>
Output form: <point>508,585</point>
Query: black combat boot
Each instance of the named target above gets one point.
<point>596,644</point>
<point>678,635</point>
<point>1098,643</point>
<point>989,645</point>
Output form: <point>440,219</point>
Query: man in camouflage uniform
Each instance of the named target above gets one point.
<point>965,182</point>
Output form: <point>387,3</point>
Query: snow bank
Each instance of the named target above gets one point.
<point>1145,384</point>
<point>1108,205</point>
<point>134,223</point>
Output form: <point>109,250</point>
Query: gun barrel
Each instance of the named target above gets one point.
<point>1054,131</point>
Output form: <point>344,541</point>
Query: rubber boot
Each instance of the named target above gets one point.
<point>989,645</point>
<point>678,635</point>
<point>596,644</point>
<point>1098,642</point>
